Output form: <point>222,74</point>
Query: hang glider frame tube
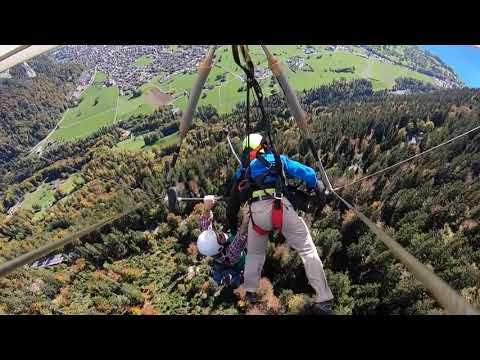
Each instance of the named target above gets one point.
<point>22,53</point>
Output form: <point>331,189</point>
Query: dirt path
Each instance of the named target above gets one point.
<point>157,97</point>
<point>116,108</point>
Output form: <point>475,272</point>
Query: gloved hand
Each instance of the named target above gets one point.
<point>208,202</point>
<point>321,197</point>
<point>320,186</point>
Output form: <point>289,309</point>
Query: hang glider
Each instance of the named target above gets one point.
<point>11,55</point>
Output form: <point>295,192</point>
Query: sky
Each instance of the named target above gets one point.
<point>464,59</point>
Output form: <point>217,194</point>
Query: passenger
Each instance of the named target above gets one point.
<point>228,250</point>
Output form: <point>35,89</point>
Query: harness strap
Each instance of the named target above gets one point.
<point>249,72</point>
<point>272,170</point>
<point>277,218</point>
<point>264,161</point>
<point>281,184</point>
<point>257,228</point>
<point>277,215</point>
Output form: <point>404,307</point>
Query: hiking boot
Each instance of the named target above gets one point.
<point>251,297</point>
<point>322,308</point>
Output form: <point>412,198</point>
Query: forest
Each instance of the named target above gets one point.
<point>148,263</point>
<point>31,107</point>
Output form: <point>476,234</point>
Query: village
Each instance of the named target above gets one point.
<point>117,61</point>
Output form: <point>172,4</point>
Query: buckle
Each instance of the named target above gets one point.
<point>277,202</point>
<point>261,197</point>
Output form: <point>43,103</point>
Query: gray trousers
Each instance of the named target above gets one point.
<point>297,236</point>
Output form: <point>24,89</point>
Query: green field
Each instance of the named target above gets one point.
<point>143,61</point>
<point>383,75</point>
<point>43,197</point>
<point>96,110</point>
<point>138,143</point>
<point>128,106</point>
<point>87,118</point>
<point>71,184</point>
<point>39,200</point>
<point>224,95</point>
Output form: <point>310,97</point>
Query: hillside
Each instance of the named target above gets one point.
<point>148,262</point>
<point>31,107</point>
<point>418,60</point>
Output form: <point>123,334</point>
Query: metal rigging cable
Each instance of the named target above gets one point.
<point>447,297</point>
<point>408,159</point>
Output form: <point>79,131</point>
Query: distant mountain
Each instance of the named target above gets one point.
<point>417,59</point>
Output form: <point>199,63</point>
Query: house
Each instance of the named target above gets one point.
<point>124,134</point>
<point>115,61</point>
<point>309,50</point>
<point>6,74</point>
<point>109,82</point>
<point>176,111</point>
<point>49,261</point>
<point>29,71</point>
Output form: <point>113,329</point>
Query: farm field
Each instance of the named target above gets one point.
<point>96,110</point>
<point>143,61</point>
<point>103,106</point>
<point>71,184</point>
<point>138,143</point>
<point>39,200</point>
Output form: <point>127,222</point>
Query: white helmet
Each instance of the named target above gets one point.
<point>207,243</point>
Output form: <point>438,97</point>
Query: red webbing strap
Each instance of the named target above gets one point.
<point>257,228</point>
<point>277,220</point>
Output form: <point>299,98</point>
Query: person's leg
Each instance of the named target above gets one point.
<point>217,273</point>
<point>256,252</point>
<point>236,278</point>
<point>256,246</point>
<point>298,237</point>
